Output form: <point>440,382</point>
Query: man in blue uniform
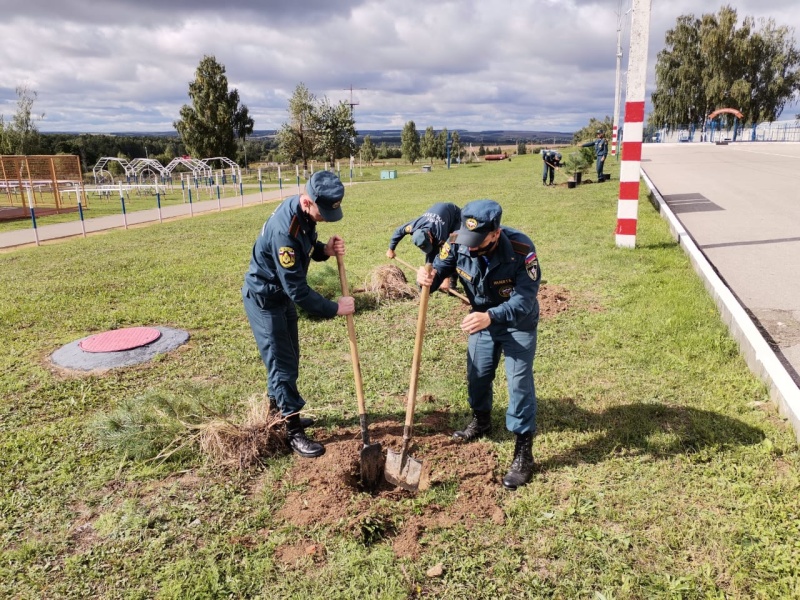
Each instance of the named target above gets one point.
<point>429,231</point>
<point>500,273</point>
<point>276,281</point>
<point>600,151</point>
<point>551,160</point>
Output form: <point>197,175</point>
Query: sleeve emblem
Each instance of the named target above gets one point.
<point>286,257</point>
<point>444,251</point>
<point>532,266</point>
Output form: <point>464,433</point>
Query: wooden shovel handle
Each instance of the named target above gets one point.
<point>412,388</point>
<point>351,334</point>
<point>461,297</point>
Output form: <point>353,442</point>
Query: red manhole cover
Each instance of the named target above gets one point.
<point>120,339</point>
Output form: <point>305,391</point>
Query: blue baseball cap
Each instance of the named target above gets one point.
<point>327,191</point>
<point>478,219</point>
<point>423,240</point>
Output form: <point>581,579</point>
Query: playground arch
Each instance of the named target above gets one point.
<point>722,111</point>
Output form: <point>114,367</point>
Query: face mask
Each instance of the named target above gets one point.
<point>483,251</point>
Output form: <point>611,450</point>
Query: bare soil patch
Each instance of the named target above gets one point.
<point>465,479</point>
<point>468,475</point>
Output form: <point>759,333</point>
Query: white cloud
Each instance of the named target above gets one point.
<point>513,64</point>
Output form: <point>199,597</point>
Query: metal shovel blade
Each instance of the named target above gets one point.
<point>403,470</point>
<point>371,465</point>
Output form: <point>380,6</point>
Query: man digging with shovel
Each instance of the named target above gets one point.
<point>276,281</point>
<point>500,273</point>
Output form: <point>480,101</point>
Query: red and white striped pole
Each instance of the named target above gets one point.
<point>628,206</point>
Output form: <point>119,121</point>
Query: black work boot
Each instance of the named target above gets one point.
<point>273,408</point>
<point>478,427</point>
<point>522,466</point>
<point>299,441</point>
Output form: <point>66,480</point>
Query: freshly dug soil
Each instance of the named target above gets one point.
<point>468,476</point>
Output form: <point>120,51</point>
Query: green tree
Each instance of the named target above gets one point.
<point>368,151</point>
<point>522,147</point>
<point>383,151</point>
<point>409,142</point>
<point>455,151</point>
<point>207,127</point>
<point>481,150</point>
<point>335,131</point>
<point>297,138</point>
<point>441,144</point>
<point>428,144</point>
<point>590,131</point>
<point>21,135</point>
<point>242,125</point>
<point>710,63</point>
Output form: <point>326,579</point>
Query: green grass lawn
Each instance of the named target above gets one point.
<point>663,470</point>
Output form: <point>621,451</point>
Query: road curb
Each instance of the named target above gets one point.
<point>759,356</point>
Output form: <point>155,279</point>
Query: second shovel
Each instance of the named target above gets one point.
<point>402,469</point>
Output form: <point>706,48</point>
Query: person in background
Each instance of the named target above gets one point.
<point>600,151</point>
<point>276,282</point>
<point>500,272</point>
<point>551,160</point>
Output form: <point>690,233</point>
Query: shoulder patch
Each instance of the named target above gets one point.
<point>520,247</point>
<point>294,227</point>
<point>532,266</point>
<point>286,257</point>
<point>444,251</point>
<point>408,229</point>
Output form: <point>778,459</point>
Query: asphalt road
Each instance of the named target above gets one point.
<point>740,203</point>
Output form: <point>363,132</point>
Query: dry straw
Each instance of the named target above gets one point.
<point>388,282</point>
<point>261,435</point>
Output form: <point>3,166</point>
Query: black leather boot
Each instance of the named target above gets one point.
<point>273,407</point>
<point>522,465</point>
<point>299,441</point>
<point>478,427</point>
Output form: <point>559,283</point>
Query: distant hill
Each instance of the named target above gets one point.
<point>392,136</point>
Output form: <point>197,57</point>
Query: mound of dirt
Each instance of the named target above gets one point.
<point>467,475</point>
<point>552,300</point>
<point>466,478</point>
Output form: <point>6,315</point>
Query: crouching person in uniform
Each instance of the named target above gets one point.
<point>429,232</point>
<point>276,282</point>
<point>500,273</point>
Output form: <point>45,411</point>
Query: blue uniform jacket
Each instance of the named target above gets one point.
<point>280,260</point>
<point>506,287</point>
<point>600,146</point>
<point>441,220</point>
<point>552,157</point>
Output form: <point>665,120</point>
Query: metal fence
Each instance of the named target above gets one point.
<point>778,131</point>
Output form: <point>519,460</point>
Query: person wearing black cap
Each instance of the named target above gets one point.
<point>276,281</point>
<point>429,231</point>
<point>500,273</point>
<point>600,151</point>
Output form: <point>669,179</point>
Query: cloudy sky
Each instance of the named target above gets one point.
<point>125,65</point>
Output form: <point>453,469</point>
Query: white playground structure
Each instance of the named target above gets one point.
<point>147,175</point>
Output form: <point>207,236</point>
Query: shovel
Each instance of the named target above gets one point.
<point>403,470</point>
<point>371,454</point>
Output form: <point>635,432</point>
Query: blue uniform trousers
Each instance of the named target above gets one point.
<point>483,358</point>
<point>600,162</point>
<point>548,170</point>
<point>274,326</point>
